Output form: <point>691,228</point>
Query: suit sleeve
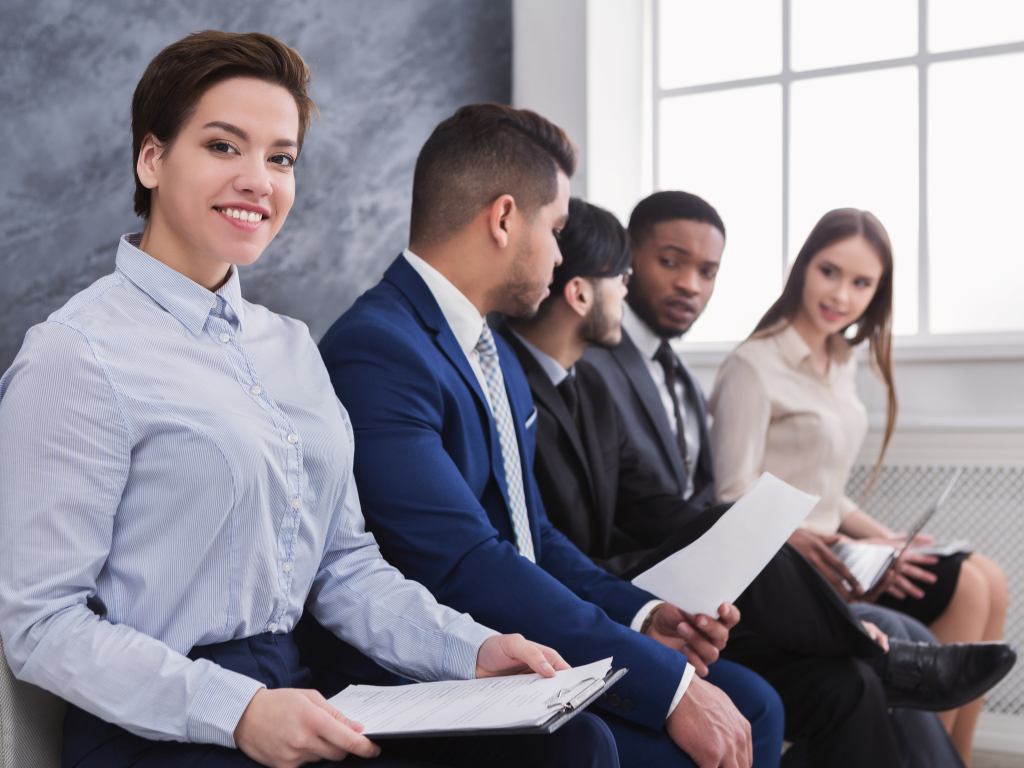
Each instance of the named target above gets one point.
<point>742,414</point>
<point>430,523</point>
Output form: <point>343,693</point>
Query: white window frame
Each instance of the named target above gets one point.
<point>922,345</point>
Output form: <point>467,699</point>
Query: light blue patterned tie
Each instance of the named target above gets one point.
<point>509,446</point>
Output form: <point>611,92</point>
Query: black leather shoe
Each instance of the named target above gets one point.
<point>941,677</point>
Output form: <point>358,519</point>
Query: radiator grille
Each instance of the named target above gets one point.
<point>986,507</point>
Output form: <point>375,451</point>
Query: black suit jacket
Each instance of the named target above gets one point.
<point>636,396</point>
<point>596,486</point>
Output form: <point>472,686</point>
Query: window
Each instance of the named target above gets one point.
<point>777,112</point>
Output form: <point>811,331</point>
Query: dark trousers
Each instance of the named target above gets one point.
<point>799,635</point>
<point>923,740</point>
<point>584,742</point>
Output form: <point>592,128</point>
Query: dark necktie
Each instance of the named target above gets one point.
<point>668,361</point>
<point>567,389</point>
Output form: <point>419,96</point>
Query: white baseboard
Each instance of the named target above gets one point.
<point>1000,733</point>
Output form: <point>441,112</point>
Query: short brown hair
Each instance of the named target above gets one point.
<point>175,81</point>
<point>477,155</point>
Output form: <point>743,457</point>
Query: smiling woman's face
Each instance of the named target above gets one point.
<point>224,187</point>
<point>840,283</point>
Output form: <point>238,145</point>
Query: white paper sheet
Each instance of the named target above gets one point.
<point>717,567</point>
<point>494,702</point>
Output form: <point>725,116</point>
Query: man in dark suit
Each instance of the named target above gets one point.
<point>444,426</point>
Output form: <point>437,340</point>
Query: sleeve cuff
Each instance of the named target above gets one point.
<point>638,620</point>
<point>219,706</point>
<point>460,652</point>
<point>683,685</point>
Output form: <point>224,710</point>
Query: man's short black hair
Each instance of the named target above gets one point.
<point>477,155</point>
<point>593,242</point>
<point>669,206</point>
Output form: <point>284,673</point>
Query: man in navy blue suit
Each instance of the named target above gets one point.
<point>444,425</point>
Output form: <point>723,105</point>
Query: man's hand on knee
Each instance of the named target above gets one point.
<point>707,726</point>
<point>289,727</point>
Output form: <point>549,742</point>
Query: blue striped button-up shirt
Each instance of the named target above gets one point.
<point>176,470</point>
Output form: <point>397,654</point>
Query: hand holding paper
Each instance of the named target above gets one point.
<point>717,567</point>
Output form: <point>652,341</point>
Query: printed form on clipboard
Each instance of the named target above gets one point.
<point>516,704</point>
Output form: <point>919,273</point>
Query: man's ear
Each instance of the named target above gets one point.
<point>149,156</point>
<point>500,219</point>
<point>578,293</point>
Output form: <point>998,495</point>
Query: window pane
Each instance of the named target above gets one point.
<point>711,42</point>
<point>956,24</point>
<point>975,198</point>
<point>727,147</point>
<point>831,33</point>
<point>853,142</point>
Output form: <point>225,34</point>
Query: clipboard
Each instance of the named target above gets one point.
<point>564,710</point>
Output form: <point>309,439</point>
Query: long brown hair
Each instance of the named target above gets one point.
<point>875,324</point>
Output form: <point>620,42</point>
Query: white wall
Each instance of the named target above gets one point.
<point>549,57</point>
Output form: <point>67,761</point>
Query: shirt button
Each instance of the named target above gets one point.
<point>225,338</point>
<point>296,503</point>
<point>286,567</point>
<point>293,438</point>
<point>213,303</point>
<point>272,626</point>
<point>255,390</point>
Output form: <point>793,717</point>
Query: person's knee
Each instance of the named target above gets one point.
<point>972,589</point>
<point>998,587</point>
<point>768,716</point>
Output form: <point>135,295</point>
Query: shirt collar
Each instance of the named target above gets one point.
<point>187,301</point>
<point>795,350</point>
<point>792,346</point>
<point>646,340</point>
<point>548,364</point>
<point>462,315</point>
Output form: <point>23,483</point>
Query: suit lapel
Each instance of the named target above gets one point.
<point>402,275</point>
<point>548,396</point>
<point>604,501</point>
<point>633,366</point>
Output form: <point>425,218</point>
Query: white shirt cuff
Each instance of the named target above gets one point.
<point>683,685</point>
<point>638,620</point>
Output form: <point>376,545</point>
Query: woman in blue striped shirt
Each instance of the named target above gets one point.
<point>176,473</point>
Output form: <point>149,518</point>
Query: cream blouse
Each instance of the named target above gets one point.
<point>774,412</point>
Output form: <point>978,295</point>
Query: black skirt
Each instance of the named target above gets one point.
<point>937,596</point>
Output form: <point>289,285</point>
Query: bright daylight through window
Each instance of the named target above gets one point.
<point>777,112</point>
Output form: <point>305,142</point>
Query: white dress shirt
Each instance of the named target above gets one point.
<point>647,342</point>
<point>176,470</point>
<point>557,374</point>
<point>554,370</point>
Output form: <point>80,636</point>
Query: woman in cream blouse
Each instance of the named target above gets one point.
<point>786,402</point>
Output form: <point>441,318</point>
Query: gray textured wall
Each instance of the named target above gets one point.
<point>387,71</point>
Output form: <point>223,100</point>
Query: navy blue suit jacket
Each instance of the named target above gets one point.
<point>429,470</point>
